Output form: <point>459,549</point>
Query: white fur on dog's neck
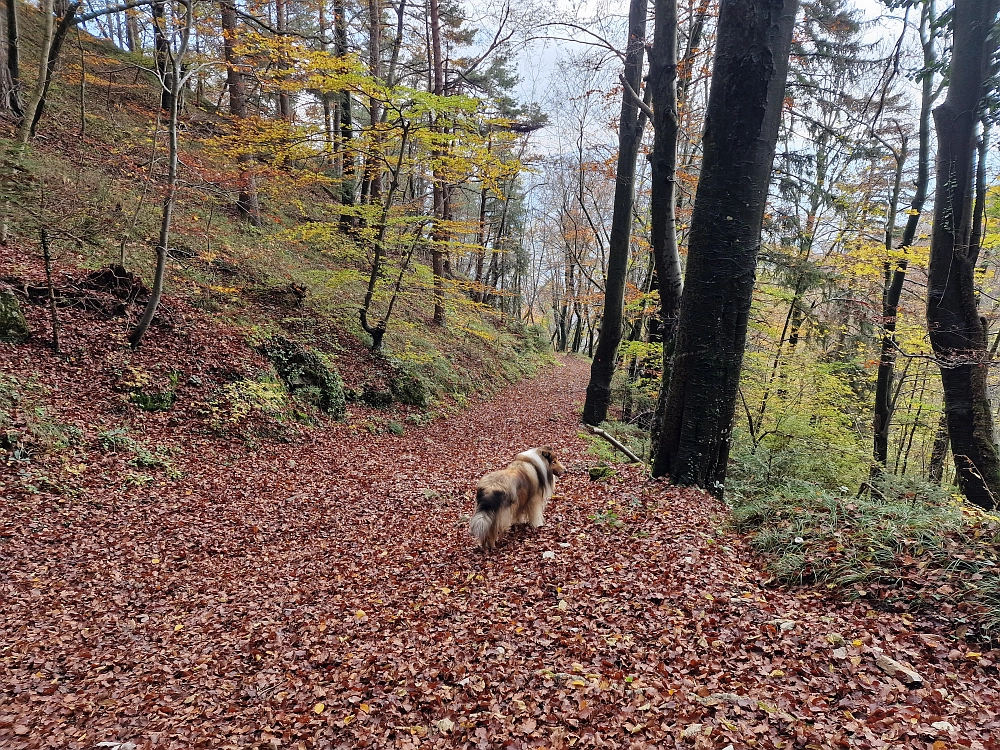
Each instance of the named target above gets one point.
<point>546,476</point>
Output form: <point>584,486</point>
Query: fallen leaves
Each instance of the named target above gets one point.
<point>340,605</point>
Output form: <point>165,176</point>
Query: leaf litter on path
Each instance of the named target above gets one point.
<point>328,595</point>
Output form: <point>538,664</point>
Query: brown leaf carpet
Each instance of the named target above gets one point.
<point>329,595</point>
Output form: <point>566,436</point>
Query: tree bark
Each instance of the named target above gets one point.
<point>345,108</point>
<point>66,22</point>
<point>662,202</point>
<point>13,65</point>
<point>631,125</point>
<point>882,417</point>
<point>7,90</point>
<point>161,54</point>
<point>439,235</point>
<point>957,333</point>
<point>175,63</point>
<point>247,203</point>
<point>38,90</point>
<point>741,131</point>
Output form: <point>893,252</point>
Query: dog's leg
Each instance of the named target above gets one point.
<point>536,517</point>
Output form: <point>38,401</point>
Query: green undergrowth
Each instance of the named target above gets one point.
<point>298,277</point>
<point>901,545</point>
<point>631,436</point>
<point>26,427</point>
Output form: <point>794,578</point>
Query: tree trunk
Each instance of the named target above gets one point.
<point>66,22</point>
<point>175,62</point>
<point>741,131</point>
<point>247,203</point>
<point>957,333</point>
<point>38,90</point>
<point>161,53</point>
<point>439,236</point>
<point>7,90</point>
<point>281,22</point>
<point>631,124</point>
<point>13,49</point>
<point>132,36</point>
<point>894,281</point>
<point>662,201</point>
<point>347,187</point>
<point>935,470</point>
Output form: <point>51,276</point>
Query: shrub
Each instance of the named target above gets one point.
<point>306,375</point>
<point>905,544</point>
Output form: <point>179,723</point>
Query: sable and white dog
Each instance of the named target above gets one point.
<point>517,494</point>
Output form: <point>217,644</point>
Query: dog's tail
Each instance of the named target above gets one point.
<point>481,525</point>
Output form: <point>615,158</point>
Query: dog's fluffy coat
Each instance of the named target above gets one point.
<point>517,494</point>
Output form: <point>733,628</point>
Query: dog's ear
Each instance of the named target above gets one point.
<point>546,453</point>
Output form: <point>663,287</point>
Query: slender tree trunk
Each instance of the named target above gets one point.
<point>345,108</point>
<point>47,257</point>
<point>161,54</point>
<point>175,62</point>
<point>6,81</point>
<point>631,125</point>
<point>281,22</point>
<point>37,91</point>
<point>13,49</point>
<point>439,234</point>
<point>935,469</point>
<point>66,22</point>
<point>132,36</point>
<point>894,281</point>
<point>741,131</point>
<point>662,201</point>
<point>957,333</point>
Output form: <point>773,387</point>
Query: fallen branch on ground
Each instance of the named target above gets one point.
<point>602,434</point>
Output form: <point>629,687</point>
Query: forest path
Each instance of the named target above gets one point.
<point>329,596</point>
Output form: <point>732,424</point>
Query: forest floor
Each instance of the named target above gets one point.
<point>328,595</point>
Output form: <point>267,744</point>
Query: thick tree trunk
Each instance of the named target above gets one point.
<point>957,333</point>
<point>741,130</point>
<point>247,204</point>
<point>595,409</point>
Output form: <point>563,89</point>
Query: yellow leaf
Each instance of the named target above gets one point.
<point>973,655</point>
<point>579,683</point>
<point>777,673</point>
<point>319,708</point>
<point>156,561</point>
<point>360,613</point>
<point>177,627</point>
<point>366,708</point>
<point>857,642</point>
<point>348,719</point>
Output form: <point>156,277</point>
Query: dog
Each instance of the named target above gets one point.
<point>517,494</point>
